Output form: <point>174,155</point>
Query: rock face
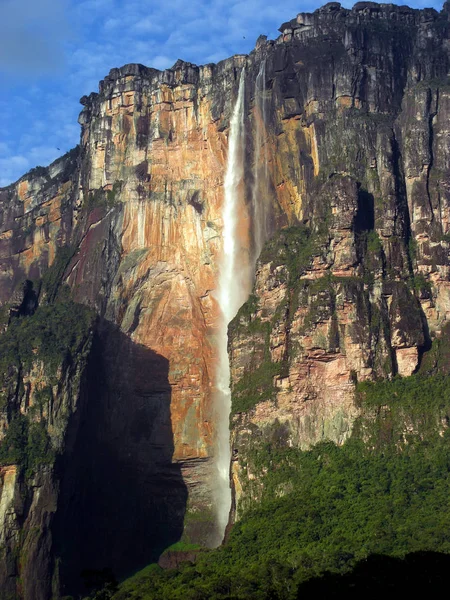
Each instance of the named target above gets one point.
<point>361,287</point>
<point>346,142</point>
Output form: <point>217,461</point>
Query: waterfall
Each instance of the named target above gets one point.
<point>260,172</point>
<point>233,290</point>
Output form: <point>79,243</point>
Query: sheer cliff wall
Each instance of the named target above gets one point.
<point>354,130</point>
<point>360,287</point>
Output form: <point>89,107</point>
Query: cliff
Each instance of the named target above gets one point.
<point>359,288</point>
<point>346,144</point>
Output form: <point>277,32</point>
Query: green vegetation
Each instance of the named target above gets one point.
<point>385,491</point>
<point>437,359</point>
<point>53,276</point>
<point>255,386</point>
<point>36,172</point>
<point>26,444</point>
<point>374,245</point>
<point>421,403</point>
<point>246,321</point>
<point>53,334</point>
<point>293,247</point>
<point>435,83</point>
<point>417,281</point>
<point>248,309</point>
<point>183,547</point>
<point>412,249</point>
<point>101,198</point>
<point>420,285</point>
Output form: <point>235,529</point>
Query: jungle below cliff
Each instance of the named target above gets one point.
<point>323,512</point>
<point>109,262</point>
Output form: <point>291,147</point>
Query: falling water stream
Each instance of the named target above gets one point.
<point>232,293</point>
<point>237,265</point>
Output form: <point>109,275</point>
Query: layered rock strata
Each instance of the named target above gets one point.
<point>359,290</point>
<point>351,140</point>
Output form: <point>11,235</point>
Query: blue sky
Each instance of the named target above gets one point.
<point>55,51</point>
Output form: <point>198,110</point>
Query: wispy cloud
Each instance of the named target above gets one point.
<point>10,166</point>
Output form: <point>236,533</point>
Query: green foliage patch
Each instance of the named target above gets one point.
<point>437,359</point>
<point>330,507</point>
<point>374,245</point>
<point>53,276</point>
<point>101,198</point>
<point>293,247</point>
<point>183,547</point>
<point>26,444</point>
<point>255,386</point>
<point>52,334</point>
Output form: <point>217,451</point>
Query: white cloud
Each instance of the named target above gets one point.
<point>162,62</point>
<point>42,155</point>
<point>11,168</point>
<point>147,25</point>
<point>88,38</point>
<point>112,24</point>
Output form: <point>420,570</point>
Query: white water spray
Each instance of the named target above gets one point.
<point>233,290</point>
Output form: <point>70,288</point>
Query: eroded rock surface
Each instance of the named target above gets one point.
<point>361,287</point>
<point>350,135</point>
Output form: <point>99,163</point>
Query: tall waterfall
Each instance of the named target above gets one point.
<point>260,170</point>
<point>233,289</point>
